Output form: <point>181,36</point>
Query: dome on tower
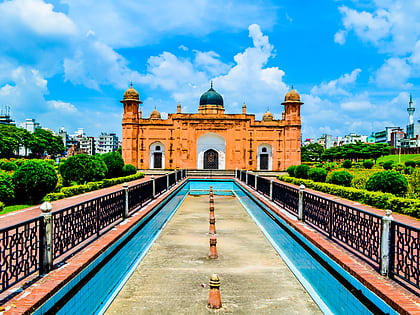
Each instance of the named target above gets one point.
<point>131,94</point>
<point>155,114</point>
<point>292,96</point>
<point>211,97</point>
<point>268,116</point>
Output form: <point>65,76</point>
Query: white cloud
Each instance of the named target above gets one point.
<point>133,23</point>
<point>35,15</point>
<point>61,106</point>
<point>371,27</point>
<point>356,105</point>
<point>393,73</point>
<point>336,87</point>
<point>393,27</point>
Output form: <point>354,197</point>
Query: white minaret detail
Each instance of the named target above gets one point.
<point>411,111</point>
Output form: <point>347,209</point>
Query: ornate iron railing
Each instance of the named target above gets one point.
<point>286,196</point>
<point>139,195</point>
<point>354,228</point>
<point>263,185</point>
<point>160,184</point>
<point>405,253</point>
<point>251,180</point>
<point>172,179</point>
<point>20,252</point>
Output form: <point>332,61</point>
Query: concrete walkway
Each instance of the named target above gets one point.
<point>173,277</point>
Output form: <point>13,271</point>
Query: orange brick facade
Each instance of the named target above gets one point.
<point>211,139</point>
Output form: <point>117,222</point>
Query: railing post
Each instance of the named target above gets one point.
<point>47,241</point>
<point>167,181</point>
<point>271,189</point>
<point>386,227</point>
<point>126,209</point>
<point>236,172</point>
<point>300,204</point>
<point>153,186</point>
<point>246,177</point>
<point>256,182</point>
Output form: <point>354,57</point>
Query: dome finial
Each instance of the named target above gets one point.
<point>211,84</point>
<point>131,83</point>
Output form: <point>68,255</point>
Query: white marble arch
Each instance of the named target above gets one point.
<point>265,148</point>
<point>156,148</point>
<point>213,141</point>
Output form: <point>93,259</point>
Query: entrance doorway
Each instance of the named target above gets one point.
<point>157,160</point>
<point>211,160</point>
<point>264,161</point>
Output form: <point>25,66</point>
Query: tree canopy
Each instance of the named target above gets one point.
<point>40,142</point>
<point>356,151</point>
<point>311,152</point>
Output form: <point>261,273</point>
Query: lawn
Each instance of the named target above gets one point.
<point>399,158</point>
<point>14,208</point>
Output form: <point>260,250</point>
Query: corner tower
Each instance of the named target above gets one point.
<point>130,126</point>
<point>292,129</point>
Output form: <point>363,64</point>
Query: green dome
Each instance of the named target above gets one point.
<point>211,97</point>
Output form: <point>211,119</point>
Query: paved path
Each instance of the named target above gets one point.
<point>254,279</point>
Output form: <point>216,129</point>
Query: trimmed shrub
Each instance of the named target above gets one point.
<point>342,178</point>
<point>368,164</point>
<point>347,164</point>
<point>83,168</point>
<point>291,170</point>
<point>2,205</point>
<point>7,193</point>
<point>8,165</point>
<point>317,174</point>
<point>301,171</point>
<point>388,182</point>
<point>80,189</point>
<point>410,163</point>
<point>373,198</point>
<point>33,180</point>
<point>114,163</point>
<point>129,169</point>
<point>388,165</point>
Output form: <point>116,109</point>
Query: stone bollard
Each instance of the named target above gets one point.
<point>300,202</point>
<point>47,239</point>
<point>153,187</point>
<point>214,301</point>
<point>385,245</point>
<point>126,205</point>
<point>213,250</point>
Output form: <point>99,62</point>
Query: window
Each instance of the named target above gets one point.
<point>157,148</point>
<point>264,150</point>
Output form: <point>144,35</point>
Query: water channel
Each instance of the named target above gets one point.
<point>322,284</point>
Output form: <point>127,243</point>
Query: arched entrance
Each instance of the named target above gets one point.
<point>157,156</point>
<point>211,150</point>
<point>265,157</point>
<point>211,160</point>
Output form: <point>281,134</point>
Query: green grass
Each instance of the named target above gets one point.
<point>399,158</point>
<point>13,208</point>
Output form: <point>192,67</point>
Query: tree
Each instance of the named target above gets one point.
<point>114,162</point>
<point>11,138</point>
<point>33,180</point>
<point>7,193</point>
<point>83,168</point>
<point>45,142</point>
<point>311,152</point>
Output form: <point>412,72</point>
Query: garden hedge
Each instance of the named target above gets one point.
<point>375,199</point>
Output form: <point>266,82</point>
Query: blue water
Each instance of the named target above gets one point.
<point>110,271</point>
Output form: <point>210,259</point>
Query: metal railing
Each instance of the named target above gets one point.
<point>393,248</point>
<point>23,246</point>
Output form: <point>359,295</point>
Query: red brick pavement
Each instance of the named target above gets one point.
<point>15,217</point>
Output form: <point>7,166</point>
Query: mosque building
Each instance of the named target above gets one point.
<point>211,139</point>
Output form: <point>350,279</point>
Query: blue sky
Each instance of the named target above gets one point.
<point>67,63</point>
